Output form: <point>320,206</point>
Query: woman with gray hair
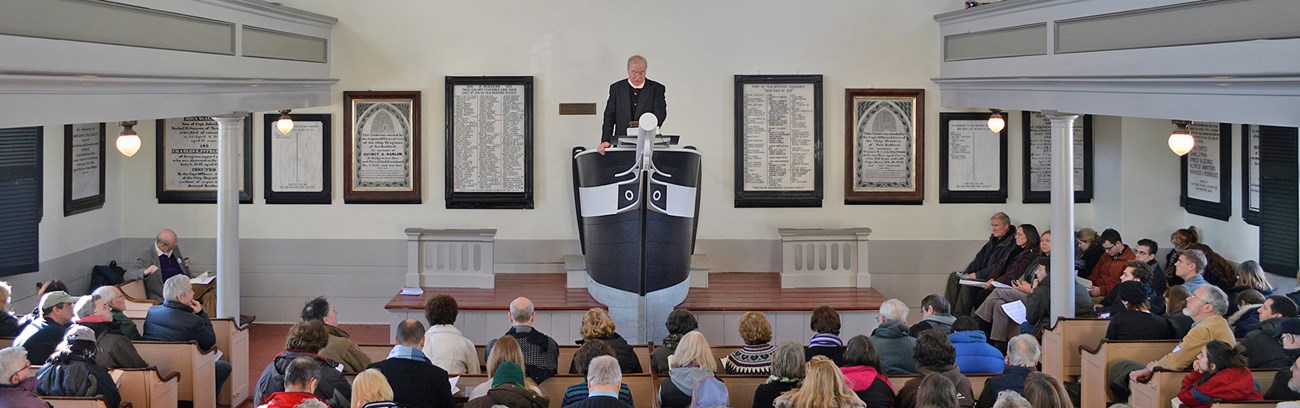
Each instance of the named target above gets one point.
<point>787,374</point>
<point>17,386</point>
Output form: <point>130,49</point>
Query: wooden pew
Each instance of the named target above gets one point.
<point>134,290</point>
<point>79,402</point>
<point>566,358</point>
<point>740,388</point>
<point>977,381</point>
<point>146,388</point>
<point>376,352</point>
<point>1165,385</point>
<point>1061,344</point>
<point>469,381</point>
<point>641,386</point>
<point>644,391</point>
<point>1095,365</point>
<point>1247,404</point>
<point>554,387</point>
<point>721,352</point>
<point>197,369</point>
<point>232,340</point>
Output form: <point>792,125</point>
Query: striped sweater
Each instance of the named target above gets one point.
<point>751,360</point>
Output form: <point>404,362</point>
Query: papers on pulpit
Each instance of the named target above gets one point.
<point>412,291</point>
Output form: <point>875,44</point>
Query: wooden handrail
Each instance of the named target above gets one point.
<point>233,322</point>
<point>195,343</point>
<point>161,377</point>
<point>1095,350</point>
<point>1058,321</point>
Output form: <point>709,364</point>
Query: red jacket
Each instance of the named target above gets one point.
<point>1105,275</point>
<point>1233,384</point>
<point>287,399</point>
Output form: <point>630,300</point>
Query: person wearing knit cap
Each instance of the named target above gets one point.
<point>42,334</point>
<point>508,390</point>
<point>1290,333</point>
<point>68,372</point>
<point>1135,321</point>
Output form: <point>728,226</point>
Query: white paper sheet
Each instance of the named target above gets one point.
<point>1015,310</point>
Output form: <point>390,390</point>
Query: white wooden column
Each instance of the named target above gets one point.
<point>230,130</point>
<point>1062,272</point>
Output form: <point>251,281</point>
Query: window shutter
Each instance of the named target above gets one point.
<point>1279,239</point>
<point>20,199</point>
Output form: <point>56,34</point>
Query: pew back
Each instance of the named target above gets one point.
<point>1095,365</point>
<point>197,370</point>
<point>146,388</point>
<point>1061,344</point>
<point>134,290</point>
<point>1165,385</point>
<point>232,340</point>
<point>469,381</point>
<point>79,402</point>
<point>740,388</point>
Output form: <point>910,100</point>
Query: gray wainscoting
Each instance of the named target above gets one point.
<point>73,269</point>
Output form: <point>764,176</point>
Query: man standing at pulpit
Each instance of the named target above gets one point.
<point>630,98</point>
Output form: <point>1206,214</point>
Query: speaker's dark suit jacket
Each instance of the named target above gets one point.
<point>618,109</point>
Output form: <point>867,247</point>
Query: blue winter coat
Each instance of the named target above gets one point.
<point>975,355</point>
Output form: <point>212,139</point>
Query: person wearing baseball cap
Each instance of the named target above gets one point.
<point>41,335</point>
<point>68,372</point>
<point>1290,333</point>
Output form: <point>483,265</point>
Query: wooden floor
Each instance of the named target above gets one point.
<point>732,291</point>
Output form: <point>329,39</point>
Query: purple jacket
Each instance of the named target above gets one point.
<point>22,395</point>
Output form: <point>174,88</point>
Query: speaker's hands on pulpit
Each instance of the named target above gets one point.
<point>601,149</point>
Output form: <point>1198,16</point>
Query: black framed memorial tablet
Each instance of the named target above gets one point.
<point>972,159</point>
<point>884,146</point>
<point>1206,171</point>
<point>187,160</point>
<point>381,151</point>
<point>1036,133</point>
<point>778,140</point>
<point>489,142</point>
<point>297,163</point>
<point>83,167</point>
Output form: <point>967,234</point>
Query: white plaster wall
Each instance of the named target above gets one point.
<point>64,235</point>
<point>574,50</point>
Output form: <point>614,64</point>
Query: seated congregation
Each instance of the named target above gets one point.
<point>1224,326</point>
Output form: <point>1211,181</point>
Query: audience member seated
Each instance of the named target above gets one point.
<point>998,246</point>
<point>1039,303</point>
<point>787,374</point>
<point>1216,270</point>
<point>1134,271</point>
<point>999,324</point>
<point>974,353</point>
<point>1176,301</point>
<point>1135,321</point>
<point>604,385</point>
<point>1219,374</point>
<point>1010,269</point>
<point>72,372</point>
<point>509,390</point>
<point>1116,255</point>
<point>756,357</point>
<point>1251,275</point>
<point>443,342</point>
<point>1087,251</point>
<point>1180,239</point>
<point>823,386</point>
<point>691,363</point>
<point>181,318</point>
<point>305,340</point>
<point>1045,391</point>
<point>891,338</point>
<point>1206,307</point>
<point>541,353</point>
<point>1280,389</point>
<point>597,325</point>
<point>116,301</point>
<point>934,354</point>
<point>1010,399</point>
<point>1190,267</point>
<point>160,262</point>
<point>1145,252</point>
<point>371,389</point>
<point>8,322</point>
<point>112,349</point>
<point>1022,358</point>
<point>1243,314</point>
<point>866,376</point>
<point>301,377</point>
<point>341,349</point>
<point>52,285</point>
<point>679,323</point>
<point>936,314</point>
<point>934,390</point>
<point>1292,385</point>
<point>1263,342</point>
<point>825,322</point>
<point>583,357</point>
<point>17,386</point>
<point>508,350</point>
<point>41,335</point>
<point>414,381</point>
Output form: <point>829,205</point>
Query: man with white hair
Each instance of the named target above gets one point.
<point>541,352</point>
<point>1010,399</point>
<point>162,261</point>
<point>1206,307</point>
<point>1022,356</point>
<point>112,349</point>
<point>891,339</point>
<point>181,318</point>
<point>116,301</point>
<point>628,100</point>
<point>17,386</point>
<point>604,377</point>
